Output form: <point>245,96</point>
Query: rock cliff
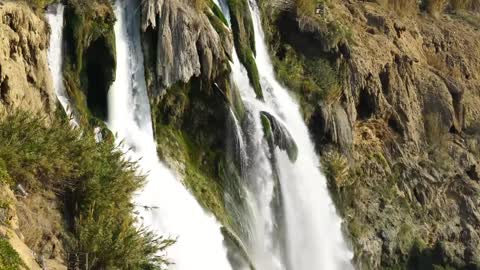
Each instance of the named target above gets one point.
<point>405,123</point>
<point>183,41</point>
<point>25,81</point>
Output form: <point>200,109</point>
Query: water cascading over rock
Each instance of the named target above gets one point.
<point>293,221</point>
<point>171,210</point>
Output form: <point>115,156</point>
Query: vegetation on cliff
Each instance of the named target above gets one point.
<point>186,119</point>
<point>244,39</point>
<point>389,136</point>
<point>93,181</point>
<point>90,60</point>
<point>9,258</point>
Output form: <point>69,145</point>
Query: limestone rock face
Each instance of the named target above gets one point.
<point>25,80</point>
<point>183,42</point>
<point>408,120</point>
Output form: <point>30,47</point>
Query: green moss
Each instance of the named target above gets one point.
<point>187,132</point>
<point>218,12</point>
<point>4,176</point>
<point>244,39</point>
<point>9,258</point>
<point>39,4</point>
<point>90,40</point>
<point>311,79</point>
<point>199,168</point>
<point>267,127</point>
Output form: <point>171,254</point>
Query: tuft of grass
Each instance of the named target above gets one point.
<point>93,180</point>
<point>434,7</point>
<point>312,79</point>
<point>470,5</point>
<point>306,7</point>
<point>9,258</point>
<point>401,7</point>
<point>336,168</point>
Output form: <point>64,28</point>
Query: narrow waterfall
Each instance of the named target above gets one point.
<point>54,17</point>
<point>164,205</point>
<point>295,227</point>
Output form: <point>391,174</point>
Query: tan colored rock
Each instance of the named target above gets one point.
<point>25,80</point>
<point>187,43</point>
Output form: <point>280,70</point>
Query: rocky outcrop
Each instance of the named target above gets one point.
<point>182,43</point>
<point>90,57</point>
<point>18,231</point>
<point>407,120</point>
<point>277,135</point>
<point>25,81</point>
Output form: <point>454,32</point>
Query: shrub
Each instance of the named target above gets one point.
<point>96,184</point>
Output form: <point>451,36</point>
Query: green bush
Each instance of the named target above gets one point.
<point>93,180</point>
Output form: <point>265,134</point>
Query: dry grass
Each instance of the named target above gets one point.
<point>471,5</point>
<point>199,5</point>
<point>306,7</point>
<point>336,168</point>
<point>401,7</point>
<point>435,7</point>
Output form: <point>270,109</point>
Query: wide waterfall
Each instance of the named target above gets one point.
<point>295,227</point>
<point>165,206</point>
<point>291,222</point>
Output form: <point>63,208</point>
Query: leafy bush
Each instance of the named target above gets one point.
<point>96,184</point>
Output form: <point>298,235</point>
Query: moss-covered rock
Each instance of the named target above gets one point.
<point>90,56</point>
<point>188,119</point>
<point>244,39</point>
<point>277,135</point>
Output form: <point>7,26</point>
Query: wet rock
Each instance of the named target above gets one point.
<point>278,135</point>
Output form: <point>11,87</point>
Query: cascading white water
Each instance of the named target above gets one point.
<point>312,230</point>
<point>173,210</point>
<point>54,16</point>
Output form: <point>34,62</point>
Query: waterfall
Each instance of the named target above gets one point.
<point>296,227</point>
<point>54,17</point>
<point>164,204</point>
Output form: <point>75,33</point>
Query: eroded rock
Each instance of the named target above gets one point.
<point>183,42</point>
<point>25,81</point>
